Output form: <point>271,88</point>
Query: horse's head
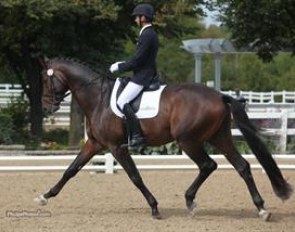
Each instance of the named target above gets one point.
<point>54,87</point>
<point>60,75</point>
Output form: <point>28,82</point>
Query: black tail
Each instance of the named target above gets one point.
<point>279,184</point>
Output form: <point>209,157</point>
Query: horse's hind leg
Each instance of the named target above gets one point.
<point>225,144</point>
<point>206,166</point>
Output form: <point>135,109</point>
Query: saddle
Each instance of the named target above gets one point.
<point>135,103</point>
<point>146,104</point>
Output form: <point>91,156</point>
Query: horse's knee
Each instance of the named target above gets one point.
<point>244,170</point>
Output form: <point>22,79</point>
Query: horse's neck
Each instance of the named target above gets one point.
<point>94,97</point>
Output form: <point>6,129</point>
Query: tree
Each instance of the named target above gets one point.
<point>31,28</point>
<point>266,26</point>
<point>93,31</point>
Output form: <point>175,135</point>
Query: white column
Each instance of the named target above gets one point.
<point>284,131</point>
<point>217,58</point>
<point>198,67</point>
<point>109,163</point>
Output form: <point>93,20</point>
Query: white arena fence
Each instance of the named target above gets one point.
<point>278,106</point>
<point>282,133</point>
<point>257,102</point>
<point>106,163</point>
<point>260,105</point>
<point>59,119</point>
<point>283,97</point>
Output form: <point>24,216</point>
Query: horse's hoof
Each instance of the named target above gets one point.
<point>41,200</point>
<point>191,205</point>
<point>157,216</point>
<point>264,215</point>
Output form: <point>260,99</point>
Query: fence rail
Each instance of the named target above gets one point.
<point>261,105</point>
<point>108,166</point>
<point>284,97</point>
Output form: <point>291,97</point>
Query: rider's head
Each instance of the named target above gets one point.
<point>143,14</point>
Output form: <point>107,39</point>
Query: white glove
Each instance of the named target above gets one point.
<point>115,66</point>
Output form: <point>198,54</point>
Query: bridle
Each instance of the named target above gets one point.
<point>56,98</point>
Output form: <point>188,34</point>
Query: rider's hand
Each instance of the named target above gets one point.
<point>115,66</point>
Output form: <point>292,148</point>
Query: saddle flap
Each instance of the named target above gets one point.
<point>146,105</point>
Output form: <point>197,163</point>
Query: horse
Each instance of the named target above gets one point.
<point>190,114</point>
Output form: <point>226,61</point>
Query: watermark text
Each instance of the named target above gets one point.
<point>27,213</point>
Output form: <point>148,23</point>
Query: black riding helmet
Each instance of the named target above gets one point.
<point>144,9</point>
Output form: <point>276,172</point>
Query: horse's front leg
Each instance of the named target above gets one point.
<point>87,152</point>
<point>124,158</point>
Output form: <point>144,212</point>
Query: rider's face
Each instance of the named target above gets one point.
<point>140,19</point>
<point>137,20</point>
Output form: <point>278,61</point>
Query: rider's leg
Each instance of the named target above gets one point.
<point>129,93</point>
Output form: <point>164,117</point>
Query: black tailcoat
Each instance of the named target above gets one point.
<point>143,64</point>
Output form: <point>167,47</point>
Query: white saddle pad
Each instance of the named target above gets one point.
<point>149,105</point>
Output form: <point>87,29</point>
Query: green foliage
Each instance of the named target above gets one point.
<point>57,135</point>
<point>6,128</point>
<point>15,115</point>
<point>18,109</point>
<point>55,139</point>
<point>94,31</point>
<point>174,64</point>
<point>242,146</point>
<point>291,145</point>
<point>273,76</point>
<point>6,75</point>
<point>265,26</point>
<point>167,149</point>
<point>247,72</point>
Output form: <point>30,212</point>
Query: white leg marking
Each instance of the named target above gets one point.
<point>41,200</point>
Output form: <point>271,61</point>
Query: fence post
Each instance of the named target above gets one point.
<point>284,131</point>
<point>109,163</point>
<point>284,96</point>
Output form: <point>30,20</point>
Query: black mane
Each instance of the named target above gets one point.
<point>90,70</point>
<point>95,76</point>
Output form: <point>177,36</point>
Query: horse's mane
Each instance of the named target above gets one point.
<point>89,69</point>
<point>94,75</point>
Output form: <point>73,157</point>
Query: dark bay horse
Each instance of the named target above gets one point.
<point>190,114</point>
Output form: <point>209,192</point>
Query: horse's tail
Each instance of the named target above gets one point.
<point>280,186</point>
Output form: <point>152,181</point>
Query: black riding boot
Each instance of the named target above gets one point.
<point>135,133</point>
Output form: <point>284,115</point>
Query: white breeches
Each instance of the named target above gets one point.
<point>129,93</point>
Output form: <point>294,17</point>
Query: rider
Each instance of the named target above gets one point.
<point>143,65</point>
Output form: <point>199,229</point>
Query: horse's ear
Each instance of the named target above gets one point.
<point>43,60</point>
